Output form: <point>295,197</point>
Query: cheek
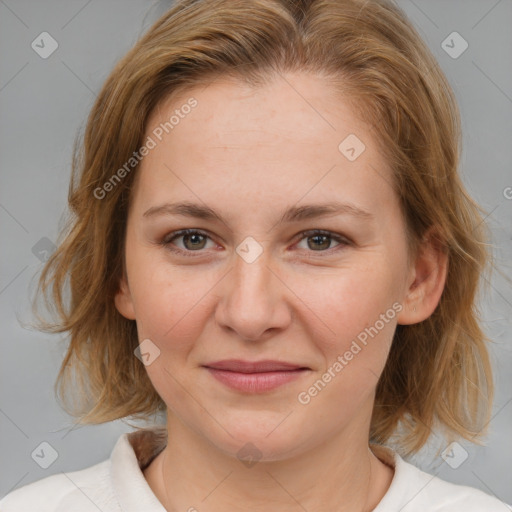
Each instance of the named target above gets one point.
<point>170,307</point>
<point>170,303</point>
<point>341,304</point>
<point>360,305</point>
<point>363,317</point>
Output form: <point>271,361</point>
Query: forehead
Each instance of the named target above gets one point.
<point>299,107</point>
<point>296,135</point>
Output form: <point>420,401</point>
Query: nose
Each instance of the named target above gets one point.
<point>254,300</point>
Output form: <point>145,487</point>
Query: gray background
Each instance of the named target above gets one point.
<point>43,102</point>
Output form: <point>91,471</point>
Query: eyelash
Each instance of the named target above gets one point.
<point>166,242</point>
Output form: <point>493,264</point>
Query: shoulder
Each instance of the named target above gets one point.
<point>414,490</point>
<point>113,485</point>
<point>444,496</point>
<point>81,491</point>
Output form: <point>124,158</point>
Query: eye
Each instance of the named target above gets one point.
<point>318,240</point>
<point>192,241</point>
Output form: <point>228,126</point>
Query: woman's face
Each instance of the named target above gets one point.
<point>254,286</point>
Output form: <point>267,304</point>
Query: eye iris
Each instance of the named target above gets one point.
<point>195,238</point>
<point>323,239</point>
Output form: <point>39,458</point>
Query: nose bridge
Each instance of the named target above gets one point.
<point>252,277</point>
<point>252,300</point>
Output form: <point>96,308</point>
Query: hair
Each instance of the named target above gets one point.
<point>438,373</point>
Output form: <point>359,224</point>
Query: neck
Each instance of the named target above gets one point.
<point>341,473</point>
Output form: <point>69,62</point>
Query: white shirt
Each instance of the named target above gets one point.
<point>118,485</point>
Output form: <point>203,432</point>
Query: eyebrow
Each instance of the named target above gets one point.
<point>292,214</point>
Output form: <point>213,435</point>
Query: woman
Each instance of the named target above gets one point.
<point>272,245</point>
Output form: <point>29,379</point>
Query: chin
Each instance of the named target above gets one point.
<point>261,438</point>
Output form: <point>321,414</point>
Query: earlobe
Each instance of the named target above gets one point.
<point>428,279</point>
<point>123,300</point>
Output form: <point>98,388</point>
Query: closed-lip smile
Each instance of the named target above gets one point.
<point>255,376</point>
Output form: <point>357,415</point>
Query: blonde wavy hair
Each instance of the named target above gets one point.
<point>438,374</point>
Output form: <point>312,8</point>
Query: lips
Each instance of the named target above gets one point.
<point>240,366</point>
<point>255,376</point>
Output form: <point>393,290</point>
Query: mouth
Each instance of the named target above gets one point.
<point>255,376</point>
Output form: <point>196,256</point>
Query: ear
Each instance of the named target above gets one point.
<point>123,299</point>
<point>426,283</point>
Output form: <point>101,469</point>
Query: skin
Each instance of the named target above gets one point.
<point>248,154</point>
